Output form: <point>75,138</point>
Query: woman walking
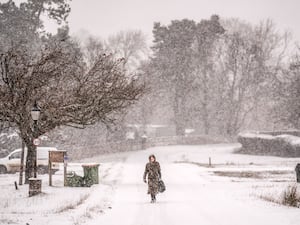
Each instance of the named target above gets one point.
<point>152,170</point>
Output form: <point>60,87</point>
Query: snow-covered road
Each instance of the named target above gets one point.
<point>229,193</point>
<point>192,197</point>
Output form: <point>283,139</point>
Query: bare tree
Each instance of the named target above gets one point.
<point>130,45</point>
<point>69,93</point>
<point>148,105</point>
<point>22,25</point>
<point>251,59</point>
<point>287,107</point>
<point>36,66</point>
<point>93,48</point>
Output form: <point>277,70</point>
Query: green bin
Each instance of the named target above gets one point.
<point>91,174</point>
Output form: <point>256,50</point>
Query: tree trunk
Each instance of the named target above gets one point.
<point>229,128</point>
<point>180,131</point>
<point>205,103</point>
<point>205,109</point>
<point>179,115</point>
<point>30,170</point>
<point>22,164</point>
<point>206,123</point>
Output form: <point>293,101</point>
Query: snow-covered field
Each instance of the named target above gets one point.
<point>230,192</point>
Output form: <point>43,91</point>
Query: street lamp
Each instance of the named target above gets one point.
<point>35,115</point>
<point>35,112</point>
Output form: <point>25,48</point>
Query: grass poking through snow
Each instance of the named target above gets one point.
<point>290,196</point>
<point>73,205</point>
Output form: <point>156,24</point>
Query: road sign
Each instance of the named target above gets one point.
<point>36,141</point>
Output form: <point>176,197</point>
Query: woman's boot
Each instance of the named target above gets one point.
<point>152,198</point>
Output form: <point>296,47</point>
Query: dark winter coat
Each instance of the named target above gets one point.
<point>152,171</point>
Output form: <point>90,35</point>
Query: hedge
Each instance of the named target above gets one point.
<point>284,145</point>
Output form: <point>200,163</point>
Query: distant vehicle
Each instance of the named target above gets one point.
<point>11,163</point>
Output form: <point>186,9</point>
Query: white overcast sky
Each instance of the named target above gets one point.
<point>105,17</point>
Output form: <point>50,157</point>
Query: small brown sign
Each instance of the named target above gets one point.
<point>56,156</point>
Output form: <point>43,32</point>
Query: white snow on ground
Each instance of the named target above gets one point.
<point>228,193</point>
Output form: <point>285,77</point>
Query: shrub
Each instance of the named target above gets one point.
<point>291,196</point>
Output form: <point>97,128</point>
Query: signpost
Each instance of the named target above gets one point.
<point>65,169</point>
<point>57,157</point>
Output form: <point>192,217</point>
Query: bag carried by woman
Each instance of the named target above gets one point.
<point>161,186</point>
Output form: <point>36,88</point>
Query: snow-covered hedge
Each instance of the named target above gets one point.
<point>282,132</point>
<point>284,145</point>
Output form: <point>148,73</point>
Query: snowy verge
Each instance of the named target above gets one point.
<point>68,205</point>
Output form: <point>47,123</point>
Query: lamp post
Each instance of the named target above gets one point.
<point>35,115</point>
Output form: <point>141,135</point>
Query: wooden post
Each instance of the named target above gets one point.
<point>65,168</point>
<point>65,176</point>
<point>22,164</point>
<point>209,162</point>
<point>56,157</point>
<point>50,170</point>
